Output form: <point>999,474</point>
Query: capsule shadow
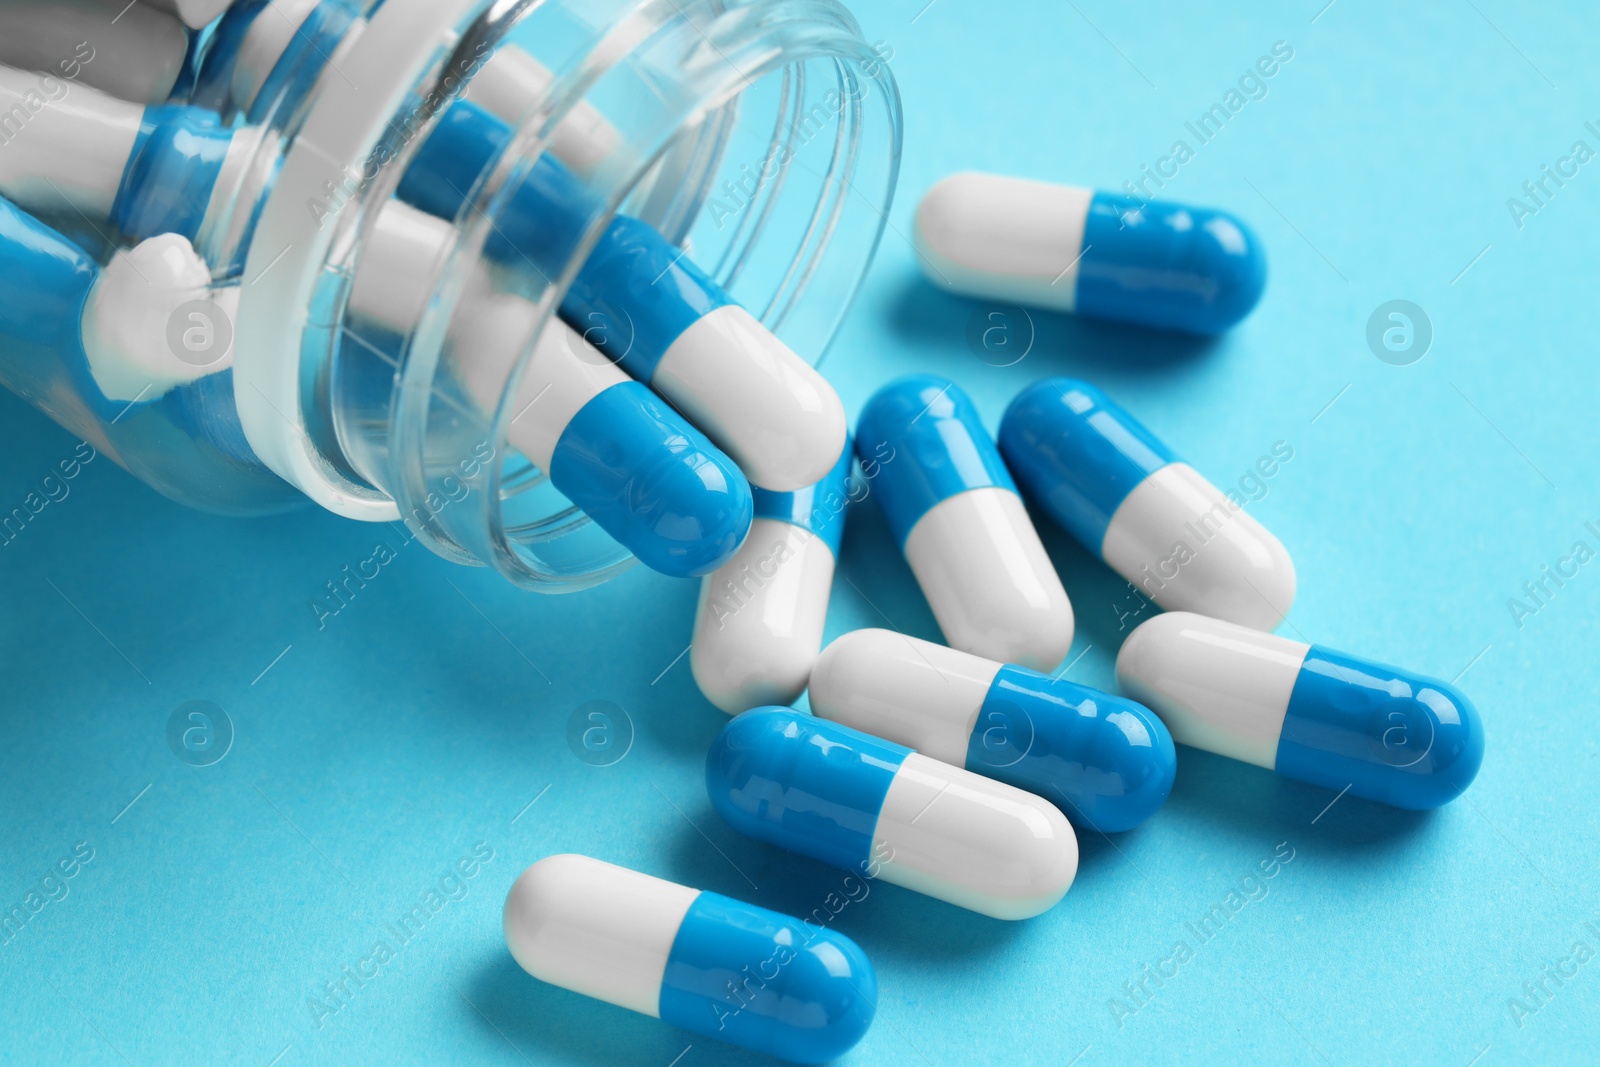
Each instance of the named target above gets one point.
<point>884,919</point>
<point>1231,796</point>
<point>712,857</point>
<point>549,1025</point>
<point>896,924</point>
<point>953,328</point>
<point>1105,605</point>
<point>873,571</point>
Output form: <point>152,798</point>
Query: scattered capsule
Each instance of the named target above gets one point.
<point>1088,253</point>
<point>645,304</point>
<point>641,471</point>
<point>759,624</point>
<point>1153,519</point>
<point>1105,761</point>
<point>700,961</point>
<point>136,55</point>
<point>954,509</point>
<point>1307,712</point>
<point>857,802</point>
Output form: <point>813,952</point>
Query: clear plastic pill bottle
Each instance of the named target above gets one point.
<point>761,136</point>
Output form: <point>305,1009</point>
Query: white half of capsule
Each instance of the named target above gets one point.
<point>596,929</point>
<point>763,405</point>
<point>991,585</point>
<point>972,841</point>
<point>1189,548</point>
<point>128,312</point>
<point>67,153</point>
<point>1218,686</point>
<point>136,55</point>
<point>488,332</point>
<point>1002,238</point>
<point>912,692</point>
<point>196,14</point>
<point>512,82</point>
<point>758,627</point>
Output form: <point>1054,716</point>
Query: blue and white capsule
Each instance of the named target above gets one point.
<point>1307,712</point>
<point>864,804</point>
<point>641,471</point>
<point>758,627</point>
<point>1152,518</point>
<point>147,171</point>
<point>646,305</point>
<point>699,961</point>
<point>954,509</point>
<point>1105,761</point>
<point>1093,254</point>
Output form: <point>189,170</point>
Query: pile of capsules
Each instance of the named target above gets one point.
<point>960,770</point>
<point>711,450</point>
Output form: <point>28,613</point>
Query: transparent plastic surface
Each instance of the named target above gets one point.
<point>762,138</point>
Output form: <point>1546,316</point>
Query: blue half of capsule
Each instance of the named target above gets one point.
<point>1106,761</point>
<point>1078,454</point>
<point>549,208</point>
<point>1169,266</point>
<point>1387,735</point>
<point>804,784</point>
<point>171,173</point>
<point>653,482</point>
<point>938,445</point>
<point>636,293</point>
<point>764,981</point>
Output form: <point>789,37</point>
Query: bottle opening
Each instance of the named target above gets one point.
<point>411,210</point>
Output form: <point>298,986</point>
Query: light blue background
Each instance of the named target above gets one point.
<point>432,710</point>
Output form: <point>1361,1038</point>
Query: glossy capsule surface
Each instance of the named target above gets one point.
<point>612,447</point>
<point>700,961</point>
<point>861,803</point>
<point>147,171</point>
<point>952,506</point>
<point>1307,712</point>
<point>1105,761</point>
<point>1152,518</point>
<point>1150,263</point>
<point>648,307</point>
